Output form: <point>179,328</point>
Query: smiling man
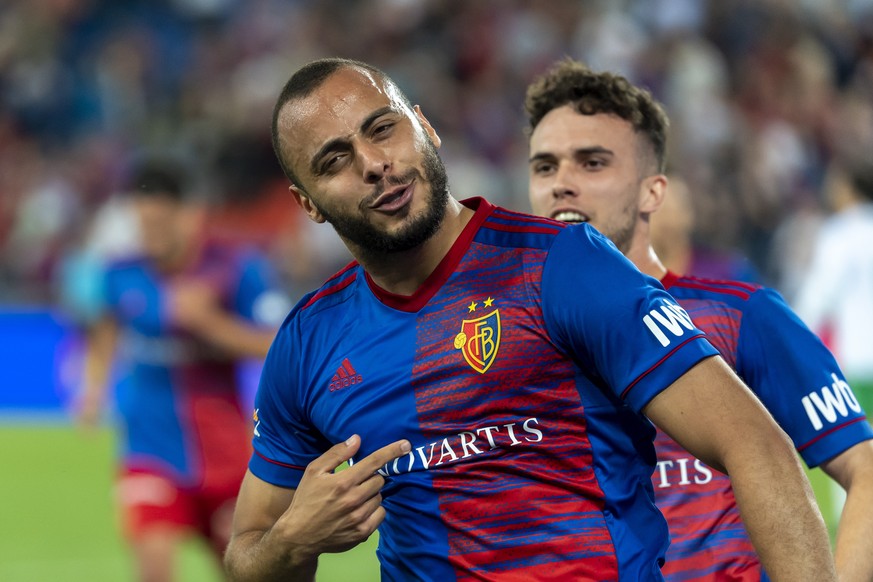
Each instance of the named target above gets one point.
<point>493,421</point>
<point>598,148</point>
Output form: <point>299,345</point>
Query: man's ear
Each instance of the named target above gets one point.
<point>305,202</point>
<point>652,192</point>
<point>428,128</point>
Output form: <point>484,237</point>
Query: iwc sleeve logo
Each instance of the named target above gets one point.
<point>479,338</point>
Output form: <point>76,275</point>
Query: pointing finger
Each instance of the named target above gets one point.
<point>336,455</point>
<point>372,462</point>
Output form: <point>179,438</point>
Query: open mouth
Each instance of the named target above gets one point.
<point>570,216</point>
<point>394,199</point>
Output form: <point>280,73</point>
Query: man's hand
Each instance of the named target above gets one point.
<point>193,305</point>
<point>334,512</point>
<point>279,533</point>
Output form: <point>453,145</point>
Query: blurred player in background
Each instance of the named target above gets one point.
<point>674,242</point>
<point>177,319</point>
<point>498,389</point>
<point>597,155</point>
<point>837,293</point>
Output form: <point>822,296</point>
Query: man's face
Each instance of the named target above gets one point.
<point>586,168</point>
<point>159,221</point>
<point>367,163</point>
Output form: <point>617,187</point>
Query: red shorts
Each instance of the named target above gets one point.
<point>150,501</point>
<point>218,440</point>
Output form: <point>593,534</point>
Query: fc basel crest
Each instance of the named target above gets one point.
<point>479,338</point>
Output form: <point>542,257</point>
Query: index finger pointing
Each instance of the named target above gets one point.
<point>380,457</point>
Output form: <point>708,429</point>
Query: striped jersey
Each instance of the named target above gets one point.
<point>797,380</point>
<point>517,371</point>
<point>178,399</point>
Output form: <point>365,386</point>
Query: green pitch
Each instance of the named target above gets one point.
<point>57,519</point>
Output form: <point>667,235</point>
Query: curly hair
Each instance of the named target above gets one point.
<point>570,82</point>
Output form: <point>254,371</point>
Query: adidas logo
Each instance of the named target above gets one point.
<point>345,376</point>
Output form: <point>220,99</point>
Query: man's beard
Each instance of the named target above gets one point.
<point>356,229</point>
<point>621,231</point>
<point>622,235</point>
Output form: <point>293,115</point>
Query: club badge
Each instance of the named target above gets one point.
<point>479,339</point>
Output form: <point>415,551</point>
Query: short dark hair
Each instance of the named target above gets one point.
<point>570,82</point>
<point>306,80</point>
<point>157,177</point>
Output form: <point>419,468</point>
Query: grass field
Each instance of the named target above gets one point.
<point>57,520</point>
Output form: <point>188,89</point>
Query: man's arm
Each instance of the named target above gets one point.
<point>279,533</point>
<point>711,413</point>
<point>195,307</point>
<point>853,469</point>
<point>100,345</point>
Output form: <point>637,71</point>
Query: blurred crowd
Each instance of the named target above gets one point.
<point>766,97</point>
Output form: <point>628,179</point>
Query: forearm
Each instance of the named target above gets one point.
<point>235,335</point>
<point>256,557</point>
<point>779,511</point>
<point>99,354</point>
<point>853,555</point>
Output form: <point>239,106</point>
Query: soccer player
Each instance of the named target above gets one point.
<point>597,149</point>
<point>179,318</point>
<point>837,291</point>
<point>485,373</point>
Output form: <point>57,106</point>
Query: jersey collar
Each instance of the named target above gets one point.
<point>412,303</point>
<point>669,279</point>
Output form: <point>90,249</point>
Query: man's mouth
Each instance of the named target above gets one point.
<point>394,199</point>
<point>570,216</point>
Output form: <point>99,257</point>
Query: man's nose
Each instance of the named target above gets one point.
<point>374,163</point>
<point>563,187</point>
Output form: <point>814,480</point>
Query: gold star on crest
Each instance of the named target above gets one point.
<point>488,302</point>
<point>472,306</point>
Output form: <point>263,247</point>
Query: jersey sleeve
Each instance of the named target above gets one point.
<point>258,297</point>
<point>615,321</point>
<point>284,442</point>
<point>110,287</point>
<point>798,380</point>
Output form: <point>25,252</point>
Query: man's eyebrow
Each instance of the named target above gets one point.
<point>587,151</point>
<point>539,156</point>
<point>371,119</point>
<point>341,142</point>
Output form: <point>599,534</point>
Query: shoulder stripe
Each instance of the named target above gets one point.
<point>299,468</point>
<point>339,286</point>
<point>741,290</point>
<point>503,213</point>
<point>508,221</point>
<point>530,229</point>
<point>658,363</point>
<point>829,431</point>
<point>341,272</point>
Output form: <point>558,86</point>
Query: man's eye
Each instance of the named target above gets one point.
<point>542,169</point>
<point>594,164</point>
<point>332,163</point>
<point>382,128</point>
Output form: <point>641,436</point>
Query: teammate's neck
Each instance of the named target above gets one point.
<point>647,261</point>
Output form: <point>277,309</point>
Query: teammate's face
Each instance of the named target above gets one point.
<point>587,168</point>
<point>366,163</point>
<point>158,218</point>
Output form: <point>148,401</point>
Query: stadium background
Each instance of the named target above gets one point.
<point>764,96</point>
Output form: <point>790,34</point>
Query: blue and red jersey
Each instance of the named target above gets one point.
<point>517,371</point>
<point>797,380</point>
<point>178,398</point>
